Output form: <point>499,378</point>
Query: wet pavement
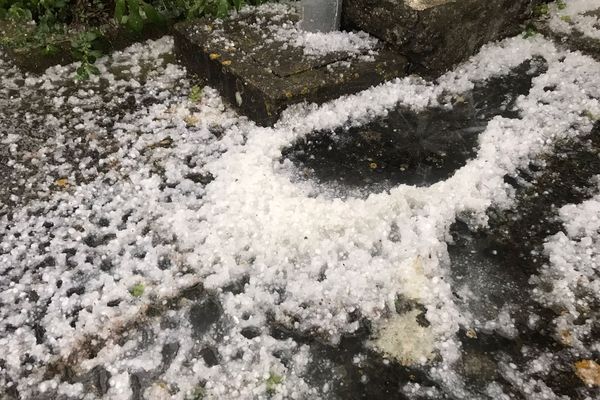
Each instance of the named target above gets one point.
<point>408,147</point>
<point>103,299</point>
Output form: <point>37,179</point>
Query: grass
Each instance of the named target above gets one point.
<point>137,290</point>
<point>273,381</point>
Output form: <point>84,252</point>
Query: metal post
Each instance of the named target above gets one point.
<point>321,15</point>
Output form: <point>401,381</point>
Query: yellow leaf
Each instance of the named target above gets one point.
<point>62,182</point>
<point>214,56</point>
<point>588,371</point>
<point>226,62</point>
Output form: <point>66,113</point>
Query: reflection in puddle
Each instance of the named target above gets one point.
<point>410,148</point>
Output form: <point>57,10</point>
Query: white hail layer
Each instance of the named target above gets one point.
<point>253,220</point>
<point>572,18</point>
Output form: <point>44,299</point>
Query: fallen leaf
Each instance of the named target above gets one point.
<point>588,371</point>
<point>166,142</point>
<point>226,62</point>
<point>62,182</point>
<point>471,333</point>
<point>214,56</point>
<point>566,18</point>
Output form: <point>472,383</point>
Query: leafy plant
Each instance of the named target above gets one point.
<point>58,22</point>
<point>561,4</point>
<point>16,13</point>
<point>541,10</point>
<point>199,8</point>
<point>44,12</point>
<point>93,12</point>
<point>82,46</point>
<point>529,31</point>
<point>216,8</point>
<point>135,14</point>
<point>195,93</point>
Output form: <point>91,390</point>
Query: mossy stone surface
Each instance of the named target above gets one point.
<point>35,59</point>
<point>261,75</point>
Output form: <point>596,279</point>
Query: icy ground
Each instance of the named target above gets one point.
<point>581,16</point>
<point>155,245</point>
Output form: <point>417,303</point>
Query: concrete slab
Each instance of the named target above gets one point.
<point>437,34</point>
<point>247,60</point>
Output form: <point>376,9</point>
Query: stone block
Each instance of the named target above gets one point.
<point>261,73</point>
<point>435,35</point>
<point>36,60</point>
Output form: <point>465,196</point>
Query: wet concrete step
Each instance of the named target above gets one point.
<point>438,34</point>
<point>261,63</point>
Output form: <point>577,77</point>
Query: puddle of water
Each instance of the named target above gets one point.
<point>406,147</point>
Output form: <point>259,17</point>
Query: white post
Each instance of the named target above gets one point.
<point>321,15</point>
